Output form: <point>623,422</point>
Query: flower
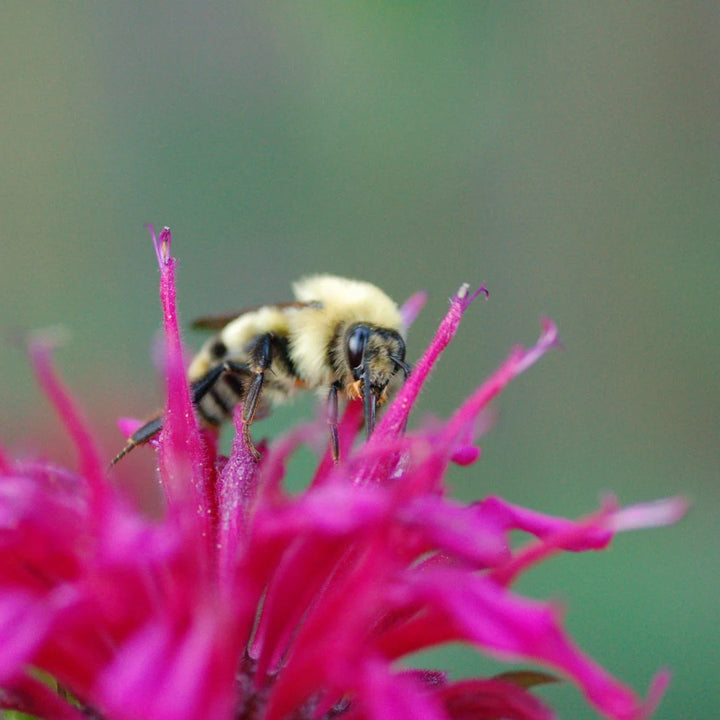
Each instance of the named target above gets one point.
<point>245,602</point>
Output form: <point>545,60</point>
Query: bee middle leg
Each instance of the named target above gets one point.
<point>247,391</point>
<point>262,351</point>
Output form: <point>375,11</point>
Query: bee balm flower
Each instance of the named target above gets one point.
<point>247,603</point>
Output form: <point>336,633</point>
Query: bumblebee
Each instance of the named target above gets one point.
<point>342,338</point>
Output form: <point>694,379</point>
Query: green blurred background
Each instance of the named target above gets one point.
<point>565,153</point>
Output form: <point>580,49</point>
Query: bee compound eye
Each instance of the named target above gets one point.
<point>357,339</point>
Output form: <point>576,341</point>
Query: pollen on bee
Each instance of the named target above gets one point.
<point>353,390</point>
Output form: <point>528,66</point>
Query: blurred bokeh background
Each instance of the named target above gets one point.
<point>564,153</point>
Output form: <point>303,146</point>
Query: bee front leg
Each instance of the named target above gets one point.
<point>332,419</point>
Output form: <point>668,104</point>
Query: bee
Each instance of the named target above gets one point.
<point>342,338</point>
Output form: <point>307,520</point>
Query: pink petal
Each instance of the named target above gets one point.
<point>650,514</point>
<point>237,489</point>
<point>160,675</point>
<point>516,628</point>
<point>389,695</point>
<point>592,533</point>
<point>319,658</point>
<point>24,620</point>
<point>91,466</point>
<point>466,455</point>
<point>458,530</point>
<point>396,415</point>
<point>518,361</point>
<point>296,583</point>
<point>186,470</point>
<point>412,307</point>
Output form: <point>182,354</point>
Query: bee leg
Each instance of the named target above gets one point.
<point>249,407</point>
<point>140,436</point>
<point>203,386</point>
<point>199,389</point>
<point>332,419</point>
<point>262,355</point>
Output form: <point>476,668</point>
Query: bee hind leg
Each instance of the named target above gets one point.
<point>148,431</point>
<point>151,428</point>
<point>203,386</point>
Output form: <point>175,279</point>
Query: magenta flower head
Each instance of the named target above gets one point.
<point>244,602</point>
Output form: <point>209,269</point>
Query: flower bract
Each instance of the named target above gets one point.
<point>247,602</point>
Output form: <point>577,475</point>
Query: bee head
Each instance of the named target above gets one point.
<point>374,355</point>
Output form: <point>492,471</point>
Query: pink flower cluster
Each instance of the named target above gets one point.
<point>245,602</point>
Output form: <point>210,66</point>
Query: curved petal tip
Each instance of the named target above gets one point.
<point>161,243</point>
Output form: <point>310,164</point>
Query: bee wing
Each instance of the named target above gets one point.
<point>215,322</point>
<point>218,322</point>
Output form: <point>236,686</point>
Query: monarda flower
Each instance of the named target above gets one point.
<point>245,602</point>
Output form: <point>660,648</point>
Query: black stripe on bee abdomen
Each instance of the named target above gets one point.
<point>227,382</point>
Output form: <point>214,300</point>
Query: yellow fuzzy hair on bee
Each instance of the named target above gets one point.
<point>342,302</point>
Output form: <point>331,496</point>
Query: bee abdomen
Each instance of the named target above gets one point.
<point>266,354</point>
<point>217,405</point>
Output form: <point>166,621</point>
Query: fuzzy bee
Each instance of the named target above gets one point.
<point>342,338</point>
